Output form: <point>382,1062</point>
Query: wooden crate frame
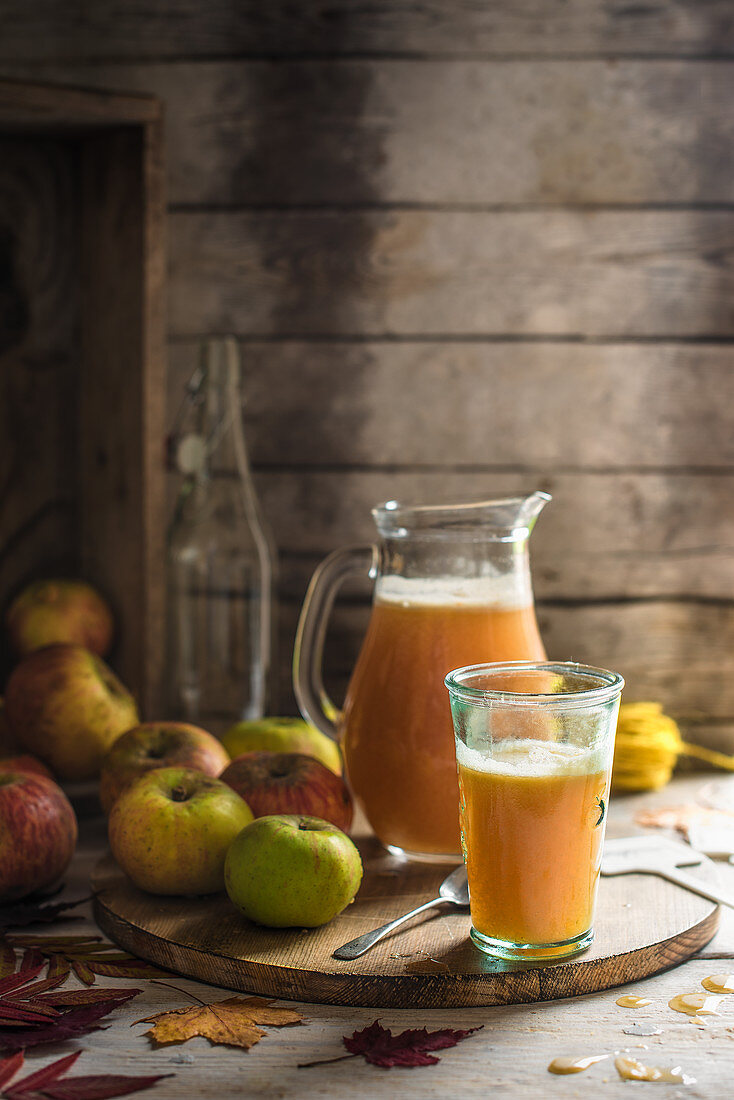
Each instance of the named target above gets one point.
<point>121,415</point>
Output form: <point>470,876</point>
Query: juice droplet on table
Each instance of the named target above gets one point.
<point>574,1065</point>
<point>629,1069</point>
<point>630,1000</point>
<point>719,983</point>
<point>694,1004</point>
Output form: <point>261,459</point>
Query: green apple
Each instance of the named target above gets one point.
<point>283,735</point>
<point>288,871</point>
<point>171,828</point>
<point>66,706</point>
<point>46,612</point>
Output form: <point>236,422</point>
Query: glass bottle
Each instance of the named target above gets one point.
<point>221,560</point>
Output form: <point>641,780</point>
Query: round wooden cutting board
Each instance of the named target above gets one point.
<point>643,925</point>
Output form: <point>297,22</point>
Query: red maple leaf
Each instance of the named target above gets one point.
<point>377,1045</point>
<point>82,1016</point>
<point>45,1084</point>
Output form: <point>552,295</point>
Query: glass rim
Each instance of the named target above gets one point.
<point>608,685</point>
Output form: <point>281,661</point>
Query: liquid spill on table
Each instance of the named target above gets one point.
<point>719,983</point>
<point>630,1000</point>
<point>630,1069</point>
<point>695,1004</point>
<point>574,1065</point>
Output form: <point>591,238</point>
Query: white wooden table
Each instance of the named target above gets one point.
<point>509,1055</point>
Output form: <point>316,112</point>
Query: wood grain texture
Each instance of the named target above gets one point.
<point>82,336</point>
<point>604,536</point>
<point>614,274</point>
<point>122,392</point>
<point>600,407</point>
<point>440,132</point>
<point>644,925</point>
<point>39,314</point>
<point>45,106</point>
<point>79,31</point>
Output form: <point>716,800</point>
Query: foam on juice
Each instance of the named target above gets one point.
<point>530,759</point>
<point>501,593</point>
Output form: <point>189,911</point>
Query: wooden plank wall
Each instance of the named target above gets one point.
<point>39,321</point>
<point>468,248</point>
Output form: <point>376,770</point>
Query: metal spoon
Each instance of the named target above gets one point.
<point>454,890</point>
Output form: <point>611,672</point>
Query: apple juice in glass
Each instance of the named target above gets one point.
<point>534,746</point>
<point>452,587</point>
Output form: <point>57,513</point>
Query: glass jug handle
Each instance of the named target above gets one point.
<point>308,683</point>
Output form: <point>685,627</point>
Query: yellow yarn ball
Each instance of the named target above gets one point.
<point>647,747</point>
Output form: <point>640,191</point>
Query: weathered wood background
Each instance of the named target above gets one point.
<point>468,248</point>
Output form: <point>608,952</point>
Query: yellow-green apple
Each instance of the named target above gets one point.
<point>170,830</point>
<point>51,611</point>
<point>292,871</point>
<point>29,765</point>
<point>157,745</point>
<point>67,707</point>
<point>290,783</point>
<point>38,833</point>
<point>282,735</point>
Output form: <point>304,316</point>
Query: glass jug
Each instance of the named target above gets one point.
<point>452,589</point>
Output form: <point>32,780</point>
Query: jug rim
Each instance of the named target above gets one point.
<point>503,519</point>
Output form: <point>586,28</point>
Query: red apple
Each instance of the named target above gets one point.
<point>67,707</point>
<point>291,871</point>
<point>37,833</point>
<point>290,783</point>
<point>47,612</point>
<point>28,765</point>
<point>170,830</point>
<point>157,745</point>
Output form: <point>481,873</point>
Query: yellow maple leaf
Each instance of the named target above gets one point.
<point>232,1022</point>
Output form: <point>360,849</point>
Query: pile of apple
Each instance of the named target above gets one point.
<point>263,813</point>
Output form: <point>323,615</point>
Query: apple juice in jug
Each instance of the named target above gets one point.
<point>396,728</point>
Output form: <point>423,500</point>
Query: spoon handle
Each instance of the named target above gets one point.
<point>355,948</point>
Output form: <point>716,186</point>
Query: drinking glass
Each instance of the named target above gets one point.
<point>534,747</point>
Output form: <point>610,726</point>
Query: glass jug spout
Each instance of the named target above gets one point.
<point>508,519</point>
<point>530,507</point>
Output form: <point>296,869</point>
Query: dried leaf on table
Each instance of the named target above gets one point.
<point>78,1020</point>
<point>66,998</point>
<point>16,1006</point>
<point>377,1045</point>
<point>88,956</point>
<point>45,1084</point>
<point>21,914</point>
<point>8,960</point>
<point>232,1022</point>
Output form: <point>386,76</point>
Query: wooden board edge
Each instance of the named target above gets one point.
<point>410,990</point>
<point>57,104</point>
